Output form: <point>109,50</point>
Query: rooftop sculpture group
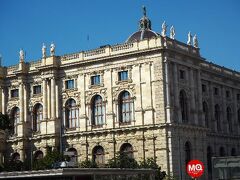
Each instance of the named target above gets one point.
<point>190,40</point>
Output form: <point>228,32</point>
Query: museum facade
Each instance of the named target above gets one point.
<point>150,97</point>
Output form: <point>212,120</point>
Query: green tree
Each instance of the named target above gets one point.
<point>150,163</point>
<point>4,121</point>
<point>122,160</point>
<point>88,164</point>
<point>48,161</point>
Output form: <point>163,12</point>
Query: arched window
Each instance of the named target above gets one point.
<point>98,111</point>
<point>222,151</point>
<point>98,155</point>
<point>38,155</point>
<point>15,119</point>
<point>229,118</point>
<point>125,107</point>
<point>127,149</point>
<point>73,154</point>
<point>209,159</point>
<point>183,106</point>
<point>15,157</point>
<point>205,113</point>
<point>71,114</point>
<point>187,152</point>
<point>217,116</point>
<point>233,152</point>
<point>37,117</point>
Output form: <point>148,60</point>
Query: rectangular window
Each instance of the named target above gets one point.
<point>123,75</point>
<point>227,94</point>
<point>216,91</point>
<point>95,80</point>
<point>37,89</point>
<point>182,74</point>
<point>14,93</point>
<point>69,84</point>
<point>204,88</point>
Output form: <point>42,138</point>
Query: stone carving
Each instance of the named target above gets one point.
<point>189,38</point>
<point>52,49</point>
<point>172,32</point>
<point>195,41</point>
<point>44,53</point>
<point>21,55</point>
<point>164,29</point>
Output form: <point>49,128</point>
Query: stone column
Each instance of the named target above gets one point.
<point>3,100</point>
<point>138,113</point>
<point>53,98</point>
<point>21,102</point>
<point>200,100</point>
<point>213,122</point>
<point>176,94</point>
<point>193,105</point>
<point>25,98</point>
<point>57,100</point>
<point>83,111</point>
<point>45,104</point>
<point>223,116</point>
<point>167,91</point>
<point>48,100</point>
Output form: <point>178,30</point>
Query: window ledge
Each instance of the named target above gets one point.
<point>97,126</point>
<point>95,86</point>
<point>124,81</point>
<point>71,89</point>
<point>124,123</point>
<point>70,129</point>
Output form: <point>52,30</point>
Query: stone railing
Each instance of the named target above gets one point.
<point>121,47</point>
<point>35,63</point>
<point>94,52</point>
<point>70,56</point>
<point>170,43</point>
<point>11,69</point>
<point>220,69</point>
<point>111,50</point>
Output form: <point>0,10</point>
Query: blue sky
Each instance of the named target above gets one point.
<point>68,23</point>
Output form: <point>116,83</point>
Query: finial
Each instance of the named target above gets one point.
<point>164,29</point>
<point>52,49</point>
<point>144,11</point>
<point>21,55</point>
<point>44,53</point>
<point>195,41</point>
<point>172,32</point>
<point>144,22</point>
<point>189,41</point>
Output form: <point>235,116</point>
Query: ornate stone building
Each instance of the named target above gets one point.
<point>151,97</point>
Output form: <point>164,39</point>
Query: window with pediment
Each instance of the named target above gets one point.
<point>98,111</point>
<point>71,113</point>
<point>125,107</point>
<point>15,119</point>
<point>37,117</point>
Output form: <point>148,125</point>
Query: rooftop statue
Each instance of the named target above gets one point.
<point>189,38</point>
<point>44,53</point>
<point>164,29</point>
<point>195,41</point>
<point>52,49</point>
<point>172,32</point>
<point>21,55</point>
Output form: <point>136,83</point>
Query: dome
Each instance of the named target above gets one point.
<point>145,31</point>
<point>141,35</point>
